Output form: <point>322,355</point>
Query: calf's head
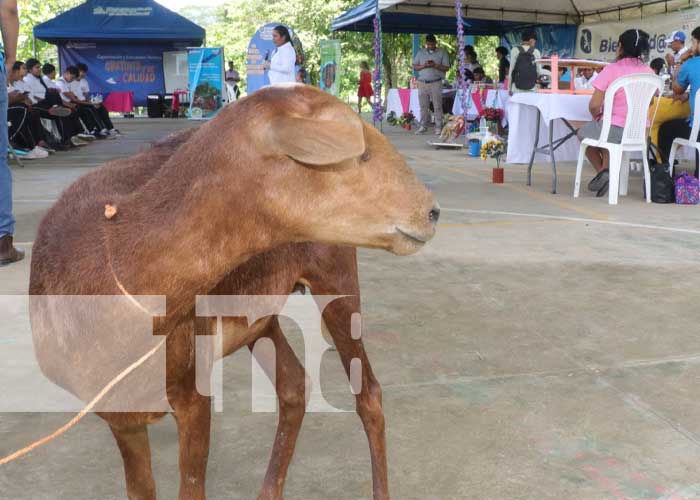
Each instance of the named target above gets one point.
<point>330,177</point>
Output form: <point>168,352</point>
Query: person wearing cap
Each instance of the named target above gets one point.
<point>432,64</point>
<point>679,52</point>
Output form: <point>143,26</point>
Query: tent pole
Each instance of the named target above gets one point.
<point>378,115</point>
<point>461,82</point>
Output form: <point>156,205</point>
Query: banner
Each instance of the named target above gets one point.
<point>260,50</point>
<point>599,40</point>
<point>130,68</point>
<point>330,66</point>
<point>551,39</point>
<point>206,68</point>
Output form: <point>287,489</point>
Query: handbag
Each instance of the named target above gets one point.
<point>663,189</point>
<point>687,189</point>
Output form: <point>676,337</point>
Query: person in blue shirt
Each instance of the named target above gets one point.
<point>688,76</point>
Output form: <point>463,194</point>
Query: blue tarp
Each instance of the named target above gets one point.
<point>361,18</point>
<point>125,21</point>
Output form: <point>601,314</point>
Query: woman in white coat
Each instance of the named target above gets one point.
<point>281,67</point>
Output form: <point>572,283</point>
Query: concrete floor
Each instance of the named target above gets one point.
<point>540,347</point>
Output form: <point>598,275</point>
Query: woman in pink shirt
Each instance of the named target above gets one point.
<point>632,46</point>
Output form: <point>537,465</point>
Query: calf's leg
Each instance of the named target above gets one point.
<point>136,453</point>
<point>292,389</point>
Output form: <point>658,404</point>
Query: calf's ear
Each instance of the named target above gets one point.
<point>318,141</point>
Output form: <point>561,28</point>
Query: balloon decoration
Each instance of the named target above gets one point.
<point>378,113</point>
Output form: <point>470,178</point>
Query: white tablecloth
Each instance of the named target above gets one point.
<point>393,103</point>
<point>522,113</point>
<point>494,99</point>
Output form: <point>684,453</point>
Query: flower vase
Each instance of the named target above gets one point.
<point>407,126</point>
<point>498,174</point>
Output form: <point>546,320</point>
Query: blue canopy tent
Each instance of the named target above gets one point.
<point>122,42</point>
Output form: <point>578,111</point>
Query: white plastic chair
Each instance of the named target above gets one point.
<point>639,90</point>
<point>687,143</point>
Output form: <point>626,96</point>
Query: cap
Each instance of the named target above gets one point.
<point>676,36</point>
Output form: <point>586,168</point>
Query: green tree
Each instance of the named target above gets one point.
<point>31,13</point>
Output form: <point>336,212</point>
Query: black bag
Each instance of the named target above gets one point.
<point>525,69</point>
<point>662,187</point>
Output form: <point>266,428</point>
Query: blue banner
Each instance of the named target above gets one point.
<point>206,66</point>
<point>123,68</point>
<point>260,50</point>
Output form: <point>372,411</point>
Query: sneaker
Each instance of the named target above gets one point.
<point>59,111</point>
<point>48,150</point>
<point>599,180</point>
<point>76,141</point>
<point>36,154</point>
<point>86,137</point>
<point>114,132</point>
<point>421,130</point>
<point>438,131</point>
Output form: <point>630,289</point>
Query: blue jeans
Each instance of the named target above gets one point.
<point>7,221</point>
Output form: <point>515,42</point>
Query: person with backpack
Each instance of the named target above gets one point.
<point>524,72</point>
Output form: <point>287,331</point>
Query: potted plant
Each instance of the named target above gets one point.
<point>407,120</point>
<point>494,148</point>
<point>392,119</point>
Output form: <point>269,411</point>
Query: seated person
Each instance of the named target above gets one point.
<point>81,90</point>
<point>585,79</point>
<point>669,108</point>
<point>657,65</point>
<point>41,96</point>
<point>480,76</point>
<point>633,45</point>
<point>688,77</point>
<point>85,110</point>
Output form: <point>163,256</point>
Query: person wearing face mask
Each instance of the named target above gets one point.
<point>431,63</point>
<point>281,67</point>
<point>688,77</point>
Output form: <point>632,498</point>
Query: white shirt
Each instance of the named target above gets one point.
<point>580,83</point>
<point>677,59</point>
<point>80,88</point>
<point>49,82</point>
<point>282,64</point>
<point>37,92</point>
<point>63,86</point>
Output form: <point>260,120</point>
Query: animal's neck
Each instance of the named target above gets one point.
<point>178,236</point>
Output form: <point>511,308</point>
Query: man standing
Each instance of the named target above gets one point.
<point>9,24</point>
<point>524,71</point>
<point>679,52</point>
<point>431,63</point>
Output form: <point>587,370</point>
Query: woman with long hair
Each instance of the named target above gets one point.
<point>632,46</point>
<point>281,67</point>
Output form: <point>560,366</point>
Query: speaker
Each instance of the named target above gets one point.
<point>154,104</point>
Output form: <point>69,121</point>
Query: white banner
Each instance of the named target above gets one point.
<point>599,40</point>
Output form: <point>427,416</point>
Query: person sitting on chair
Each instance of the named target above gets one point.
<point>81,91</point>
<point>480,76</point>
<point>633,45</point>
<point>688,77</point>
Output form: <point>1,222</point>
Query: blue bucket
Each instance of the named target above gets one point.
<point>474,148</point>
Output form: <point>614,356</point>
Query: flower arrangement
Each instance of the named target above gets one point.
<point>392,119</point>
<point>407,118</point>
<point>492,114</point>
<point>493,149</point>
<point>402,121</point>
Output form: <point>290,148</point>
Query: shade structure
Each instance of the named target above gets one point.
<point>489,17</point>
<point>120,20</point>
<point>122,42</point>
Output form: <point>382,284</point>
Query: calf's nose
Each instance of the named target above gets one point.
<point>434,214</point>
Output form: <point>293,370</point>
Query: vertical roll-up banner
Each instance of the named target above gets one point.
<point>206,67</point>
<point>330,66</point>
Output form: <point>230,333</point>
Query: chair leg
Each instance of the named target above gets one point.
<point>672,157</point>
<point>647,178</point>
<point>614,183</point>
<point>579,168</point>
<point>624,174</point>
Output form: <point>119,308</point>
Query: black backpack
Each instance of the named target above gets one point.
<point>525,69</point>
